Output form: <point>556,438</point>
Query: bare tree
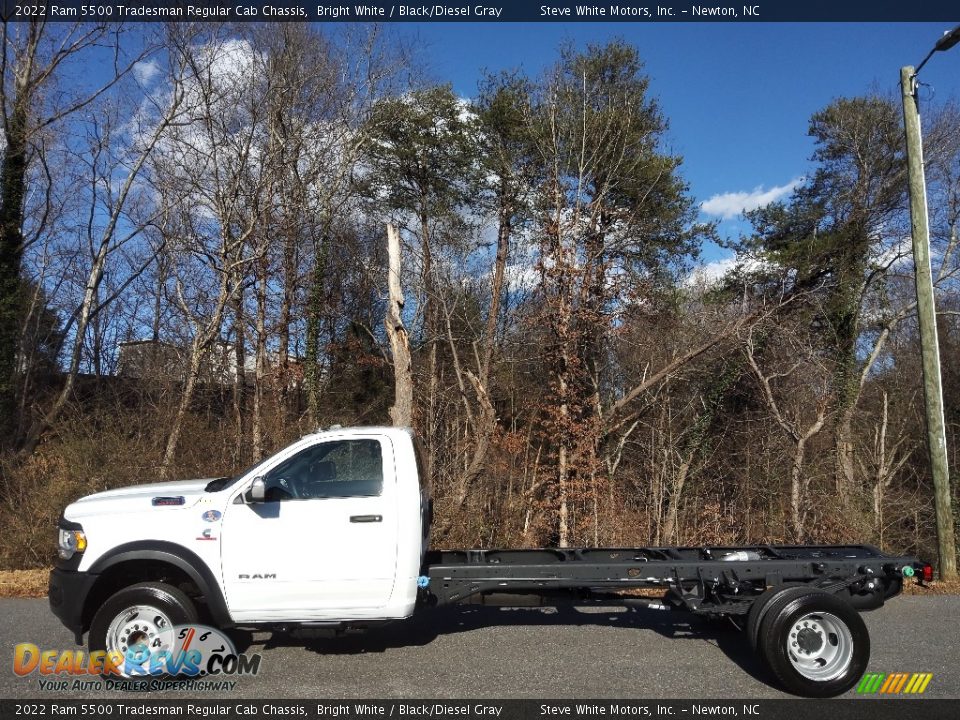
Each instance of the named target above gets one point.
<point>211,160</point>
<point>32,55</point>
<point>796,429</point>
<point>885,462</point>
<point>352,78</point>
<point>117,217</point>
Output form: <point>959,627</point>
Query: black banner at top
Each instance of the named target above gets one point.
<point>624,11</point>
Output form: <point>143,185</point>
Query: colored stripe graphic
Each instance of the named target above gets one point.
<point>897,684</point>
<point>903,681</point>
<point>894,683</point>
<point>870,683</point>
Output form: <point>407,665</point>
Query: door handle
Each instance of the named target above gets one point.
<point>366,518</point>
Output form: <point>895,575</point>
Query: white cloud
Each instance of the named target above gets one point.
<point>897,253</point>
<point>145,71</point>
<point>711,273</point>
<point>729,205</point>
<point>521,276</point>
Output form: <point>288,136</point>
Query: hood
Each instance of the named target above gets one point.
<point>138,498</point>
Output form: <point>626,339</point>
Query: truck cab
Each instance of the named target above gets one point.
<point>331,529</point>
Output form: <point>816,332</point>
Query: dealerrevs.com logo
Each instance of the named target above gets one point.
<point>894,683</point>
<point>188,657</point>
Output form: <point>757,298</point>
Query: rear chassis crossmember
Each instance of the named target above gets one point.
<point>697,579</point>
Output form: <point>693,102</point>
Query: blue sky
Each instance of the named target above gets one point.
<point>738,96</point>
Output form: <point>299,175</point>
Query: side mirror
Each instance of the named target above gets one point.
<point>257,492</point>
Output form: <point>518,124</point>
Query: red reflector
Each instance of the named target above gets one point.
<point>927,572</point>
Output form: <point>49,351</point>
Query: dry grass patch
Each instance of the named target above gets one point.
<point>24,583</point>
<point>937,587</point>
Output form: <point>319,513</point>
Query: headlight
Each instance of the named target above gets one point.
<point>70,542</point>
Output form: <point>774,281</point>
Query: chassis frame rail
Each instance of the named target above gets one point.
<point>710,580</point>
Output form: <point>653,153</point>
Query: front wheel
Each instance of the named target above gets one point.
<point>815,644</point>
<point>139,621</point>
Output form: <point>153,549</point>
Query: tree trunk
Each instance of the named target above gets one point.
<point>286,306</point>
<point>496,291</point>
<point>240,377</point>
<point>564,450</point>
<point>878,510</point>
<point>563,482</point>
<point>204,336</point>
<point>673,504</point>
<point>484,429</point>
<point>162,269</point>
<point>176,428</point>
<point>797,494</point>
<point>315,309</point>
<point>845,453</point>
<point>25,387</point>
<point>483,424</point>
<point>430,326</point>
<point>402,411</point>
<point>12,188</point>
<point>86,311</point>
<point>261,360</point>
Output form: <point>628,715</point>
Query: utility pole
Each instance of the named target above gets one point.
<point>926,313</point>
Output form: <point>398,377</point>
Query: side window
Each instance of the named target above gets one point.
<point>343,468</point>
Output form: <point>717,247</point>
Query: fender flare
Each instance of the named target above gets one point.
<point>178,556</point>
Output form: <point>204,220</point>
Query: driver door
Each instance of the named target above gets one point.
<point>323,544</point>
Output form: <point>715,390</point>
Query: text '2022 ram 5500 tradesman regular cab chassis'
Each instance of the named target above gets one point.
<point>333,531</point>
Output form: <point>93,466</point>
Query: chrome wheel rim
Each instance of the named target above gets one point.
<point>139,627</point>
<point>820,646</point>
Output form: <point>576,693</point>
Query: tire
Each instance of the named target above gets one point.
<point>760,606</point>
<point>814,643</point>
<point>158,608</point>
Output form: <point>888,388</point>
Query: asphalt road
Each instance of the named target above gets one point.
<point>571,652</point>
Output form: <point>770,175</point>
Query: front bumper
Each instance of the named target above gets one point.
<point>67,592</point>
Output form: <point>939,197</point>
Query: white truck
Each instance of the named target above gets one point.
<point>333,531</point>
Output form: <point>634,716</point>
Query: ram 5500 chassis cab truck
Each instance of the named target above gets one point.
<point>333,531</point>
